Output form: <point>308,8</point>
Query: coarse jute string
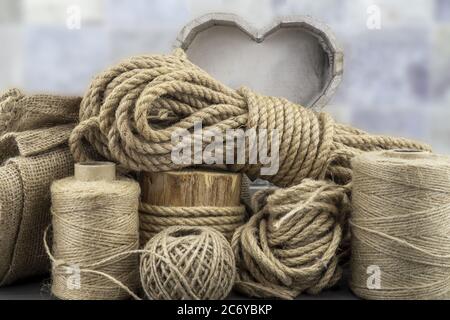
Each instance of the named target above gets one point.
<point>95,233</point>
<point>188,263</point>
<point>129,113</point>
<point>401,226</point>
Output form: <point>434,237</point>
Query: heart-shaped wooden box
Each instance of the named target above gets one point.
<point>295,57</point>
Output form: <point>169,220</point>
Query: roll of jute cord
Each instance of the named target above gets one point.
<point>95,234</point>
<point>401,225</point>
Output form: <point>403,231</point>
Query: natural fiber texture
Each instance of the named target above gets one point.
<point>193,197</point>
<point>31,160</point>
<point>401,226</point>
<point>154,219</point>
<point>131,110</point>
<point>182,263</point>
<point>95,230</point>
<point>19,112</point>
<point>293,243</point>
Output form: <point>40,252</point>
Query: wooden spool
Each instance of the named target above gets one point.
<point>189,188</point>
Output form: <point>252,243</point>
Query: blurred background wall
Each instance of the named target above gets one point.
<point>397,53</point>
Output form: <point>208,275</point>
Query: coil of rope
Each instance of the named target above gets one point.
<point>130,112</point>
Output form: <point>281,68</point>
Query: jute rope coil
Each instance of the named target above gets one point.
<point>130,111</point>
<point>401,226</point>
<point>155,219</point>
<point>95,230</point>
<point>188,263</point>
<point>294,241</point>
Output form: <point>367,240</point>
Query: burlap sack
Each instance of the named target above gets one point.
<point>19,112</point>
<point>31,161</point>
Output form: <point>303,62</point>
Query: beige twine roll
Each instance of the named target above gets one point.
<point>186,263</point>
<point>401,226</point>
<point>95,234</point>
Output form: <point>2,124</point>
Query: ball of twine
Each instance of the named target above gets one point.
<point>401,226</point>
<point>95,234</point>
<point>187,263</point>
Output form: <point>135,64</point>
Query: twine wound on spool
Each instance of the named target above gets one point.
<point>95,231</point>
<point>401,226</point>
<point>183,263</point>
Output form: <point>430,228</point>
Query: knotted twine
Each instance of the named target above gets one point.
<point>401,226</point>
<point>130,111</point>
<point>33,152</point>
<point>95,232</point>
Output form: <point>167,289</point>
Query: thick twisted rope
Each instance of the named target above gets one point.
<point>154,219</point>
<point>131,111</point>
<point>295,240</point>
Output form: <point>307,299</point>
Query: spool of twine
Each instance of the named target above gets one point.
<point>401,226</point>
<point>95,230</point>
<point>194,263</point>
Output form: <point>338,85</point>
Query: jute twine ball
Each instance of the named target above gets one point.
<point>188,263</point>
